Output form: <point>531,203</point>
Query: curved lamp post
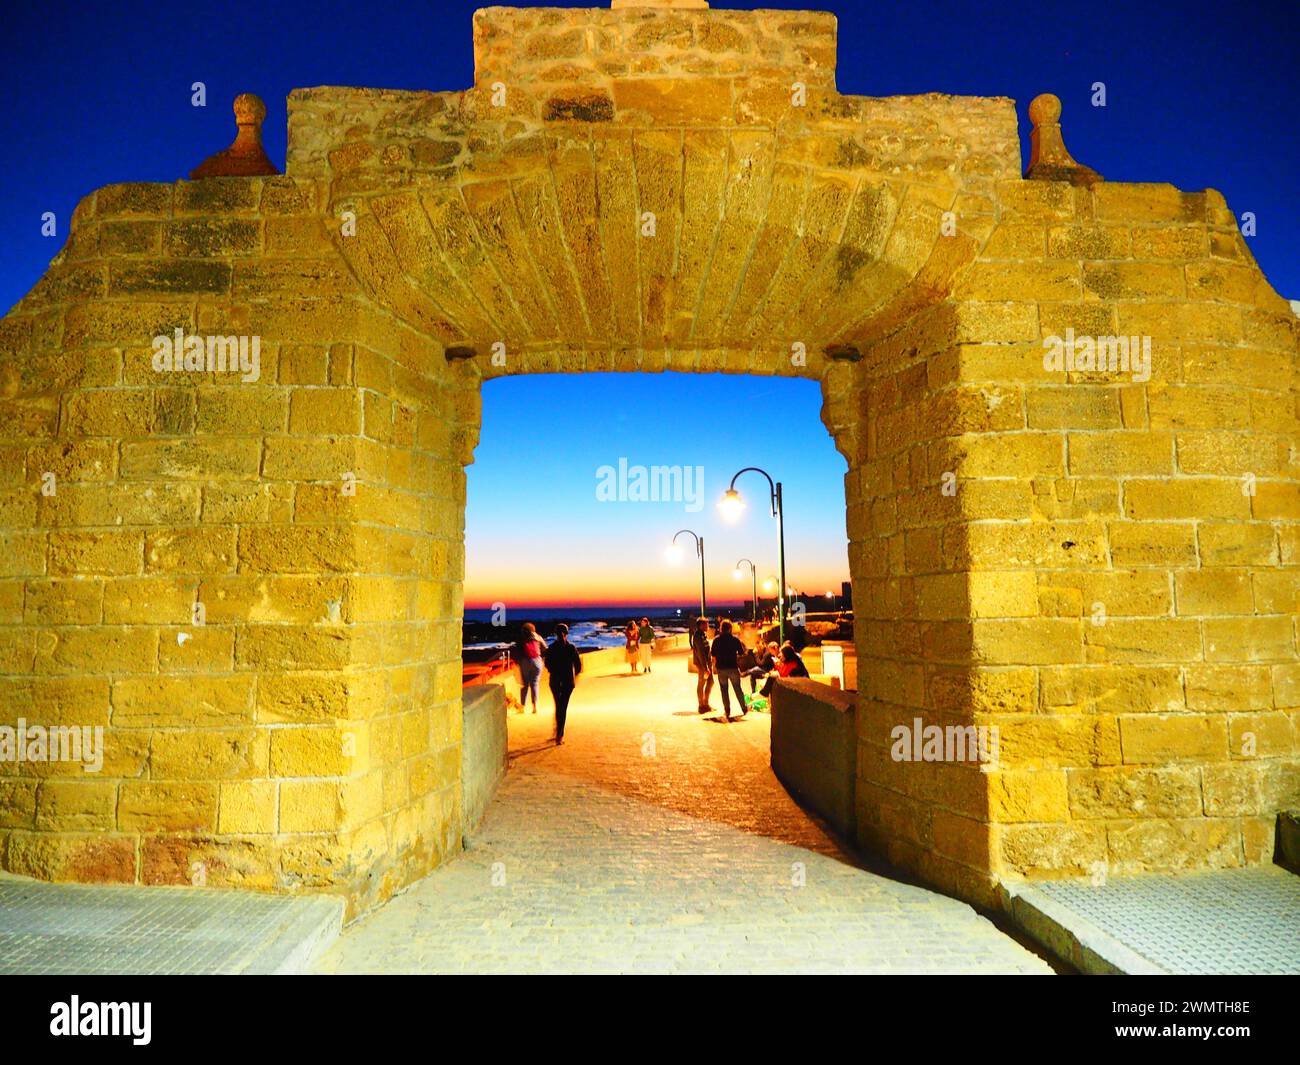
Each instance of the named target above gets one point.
<point>770,585</point>
<point>731,506</point>
<point>699,550</point>
<point>754,577</point>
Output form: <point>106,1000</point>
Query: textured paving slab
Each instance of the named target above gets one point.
<point>1233,921</point>
<point>658,841</point>
<point>73,929</point>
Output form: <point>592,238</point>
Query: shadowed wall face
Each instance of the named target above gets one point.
<point>654,190</point>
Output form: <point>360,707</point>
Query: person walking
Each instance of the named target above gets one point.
<point>726,652</point>
<point>563,664</point>
<point>702,661</point>
<point>632,644</point>
<point>527,653</point>
<point>646,642</point>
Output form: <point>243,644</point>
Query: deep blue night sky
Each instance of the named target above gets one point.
<point>1200,94</point>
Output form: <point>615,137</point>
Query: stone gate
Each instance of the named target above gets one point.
<point>250,578</point>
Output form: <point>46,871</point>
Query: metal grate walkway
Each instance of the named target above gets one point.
<point>1236,921</point>
<point>91,930</point>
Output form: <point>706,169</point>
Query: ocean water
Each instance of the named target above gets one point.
<point>589,613</point>
<point>589,626</point>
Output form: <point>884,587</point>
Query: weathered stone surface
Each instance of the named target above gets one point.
<point>255,584</point>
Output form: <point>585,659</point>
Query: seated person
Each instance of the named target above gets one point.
<point>764,663</point>
<point>791,665</point>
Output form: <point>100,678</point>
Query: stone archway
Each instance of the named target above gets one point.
<point>305,735</point>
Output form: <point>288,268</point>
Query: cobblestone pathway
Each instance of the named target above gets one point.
<point>657,841</point>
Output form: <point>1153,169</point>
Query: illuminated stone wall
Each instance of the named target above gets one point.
<point>240,579</point>
<point>644,189</point>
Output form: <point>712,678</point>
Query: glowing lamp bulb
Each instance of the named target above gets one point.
<point>731,505</point>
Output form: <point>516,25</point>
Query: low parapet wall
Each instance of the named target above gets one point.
<point>814,748</point>
<point>617,656</point>
<point>483,752</point>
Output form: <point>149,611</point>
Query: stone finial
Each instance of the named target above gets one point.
<point>1048,158</point>
<point>246,157</point>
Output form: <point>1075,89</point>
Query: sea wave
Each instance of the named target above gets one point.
<point>588,635</point>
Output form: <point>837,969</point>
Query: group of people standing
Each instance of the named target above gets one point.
<point>640,644</point>
<point>724,659</point>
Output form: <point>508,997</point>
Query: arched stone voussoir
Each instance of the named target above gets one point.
<point>648,242</point>
<point>365,247</point>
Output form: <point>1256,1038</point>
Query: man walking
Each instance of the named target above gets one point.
<point>701,659</point>
<point>726,660</point>
<point>563,663</point>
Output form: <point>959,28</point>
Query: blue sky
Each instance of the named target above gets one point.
<point>1198,93</point>
<point>537,533</point>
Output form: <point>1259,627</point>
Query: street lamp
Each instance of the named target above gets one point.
<point>770,584</point>
<point>732,506</point>
<point>754,577</point>
<point>699,550</point>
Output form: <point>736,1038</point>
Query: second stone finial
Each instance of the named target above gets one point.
<point>1048,158</point>
<point>246,157</point>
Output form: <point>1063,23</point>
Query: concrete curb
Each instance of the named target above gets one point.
<point>300,941</point>
<point>1071,938</point>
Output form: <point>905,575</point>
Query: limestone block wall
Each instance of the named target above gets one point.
<point>223,570</point>
<point>643,64</point>
<point>1132,540</point>
<point>911,595</point>
<point>407,515</point>
<point>1118,594</point>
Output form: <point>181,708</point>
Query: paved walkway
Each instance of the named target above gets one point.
<point>658,841</point>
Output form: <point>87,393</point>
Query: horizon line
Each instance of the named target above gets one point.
<point>677,604</point>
